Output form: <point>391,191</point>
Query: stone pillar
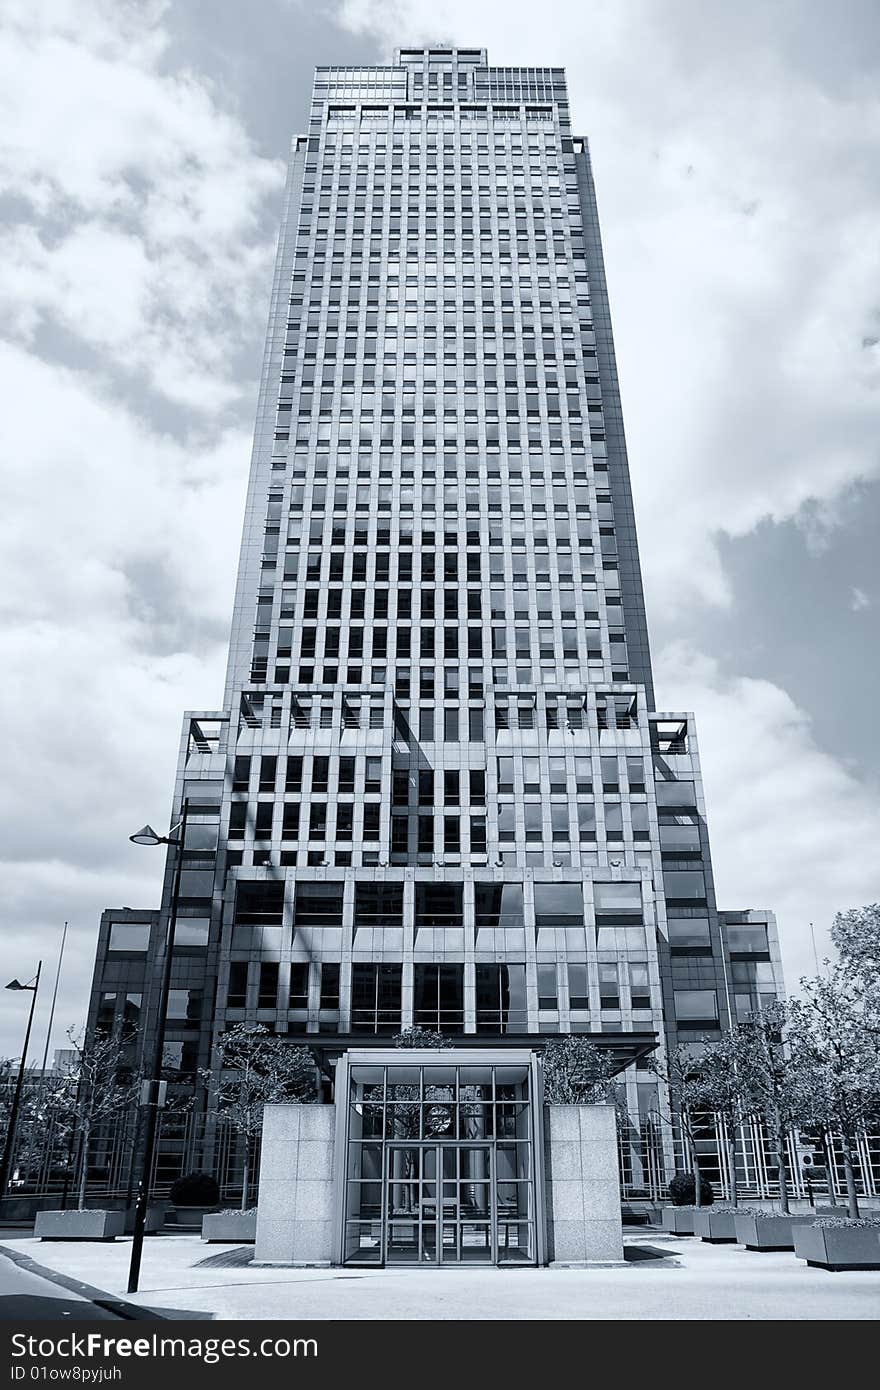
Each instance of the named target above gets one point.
<point>295,1209</point>
<point>582,1180</point>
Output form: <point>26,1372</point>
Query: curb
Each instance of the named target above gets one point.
<point>101,1299</point>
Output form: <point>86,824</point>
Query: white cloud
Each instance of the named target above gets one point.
<point>134,265</point>
<point>119,547</point>
<point>739,193</point>
<point>140,201</point>
<point>859,600</point>
<point>790,827</point>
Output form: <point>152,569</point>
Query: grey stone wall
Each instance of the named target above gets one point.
<point>582,1182</point>
<point>295,1215</point>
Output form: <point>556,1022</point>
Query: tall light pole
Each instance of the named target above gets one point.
<point>6,1162</point>
<point>54,1001</point>
<point>152,1100</point>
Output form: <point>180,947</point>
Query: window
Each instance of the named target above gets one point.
<point>329,998</point>
<point>675,793</point>
<point>501,999</point>
<point>236,993</point>
<point>375,998</point>
<point>609,989</point>
<point>299,985</point>
<point>747,938</point>
<point>689,934</point>
<point>617,903</point>
<point>191,932</point>
<point>578,987</point>
<point>684,885</point>
<point>547,988</point>
<point>318,904</point>
<point>696,1005</point>
<point>267,997</point>
<point>498,904</point>
<point>439,997</point>
<point>438,904</point>
<point>378,904</point>
<point>639,987</point>
<point>129,936</point>
<point>259,903</point>
<point>559,905</point>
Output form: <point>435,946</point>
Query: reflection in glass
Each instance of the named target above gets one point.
<point>439,1166</point>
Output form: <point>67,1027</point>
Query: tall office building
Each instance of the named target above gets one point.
<point>438,792</point>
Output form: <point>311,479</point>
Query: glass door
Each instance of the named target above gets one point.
<point>440,1204</point>
<point>411,1204</point>
<point>469,1217</point>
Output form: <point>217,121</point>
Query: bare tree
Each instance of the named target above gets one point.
<point>252,1068</point>
<point>102,1088</point>
<point>678,1072</point>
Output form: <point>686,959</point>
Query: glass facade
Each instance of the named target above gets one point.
<point>439,1165</point>
<point>437,793</point>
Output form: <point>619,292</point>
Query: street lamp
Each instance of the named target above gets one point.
<point>153,1086</point>
<point>6,1162</point>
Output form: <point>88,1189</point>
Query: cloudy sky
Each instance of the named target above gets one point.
<point>142,149</point>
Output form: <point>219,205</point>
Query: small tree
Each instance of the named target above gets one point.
<point>717,1086</point>
<point>678,1072</point>
<point>832,1027</point>
<point>101,1087</point>
<point>576,1072</point>
<point>252,1068</point>
<point>421,1037</point>
<point>776,1074</point>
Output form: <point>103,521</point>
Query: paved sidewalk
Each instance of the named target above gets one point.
<point>666,1278</point>
<point>31,1291</point>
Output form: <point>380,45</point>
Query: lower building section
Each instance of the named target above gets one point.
<point>430,1158</point>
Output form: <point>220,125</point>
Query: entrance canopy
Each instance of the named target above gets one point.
<point>623,1048</point>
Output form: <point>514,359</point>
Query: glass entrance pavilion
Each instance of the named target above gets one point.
<point>442,1158</point>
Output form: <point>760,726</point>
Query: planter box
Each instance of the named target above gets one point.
<point>716,1227</point>
<point>189,1218</point>
<point>155,1220</point>
<point>679,1221</point>
<point>79,1225</point>
<point>838,1247</point>
<point>769,1232</point>
<point>237,1227</point>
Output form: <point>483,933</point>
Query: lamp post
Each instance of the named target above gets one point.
<point>6,1162</point>
<point>153,1086</point>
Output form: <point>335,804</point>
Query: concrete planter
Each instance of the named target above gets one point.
<point>768,1231</point>
<point>189,1218</point>
<point>154,1222</point>
<point>716,1227</point>
<point>838,1247</point>
<point>235,1227</point>
<point>679,1221</point>
<point>79,1225</point>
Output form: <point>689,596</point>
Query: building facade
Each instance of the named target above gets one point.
<point>438,792</point>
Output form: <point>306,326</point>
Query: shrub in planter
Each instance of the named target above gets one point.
<point>836,1243</point>
<point>86,1224</point>
<point>236,1227</point>
<point>195,1190</point>
<point>768,1230</point>
<point>683,1191</point>
<point>678,1220</point>
<point>715,1225</point>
